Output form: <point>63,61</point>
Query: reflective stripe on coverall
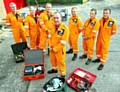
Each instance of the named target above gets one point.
<point>17,27</point>
<point>58,44</point>
<point>89,34</point>
<point>74,25</point>
<point>103,40</point>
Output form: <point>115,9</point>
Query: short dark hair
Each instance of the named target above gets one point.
<point>107,9</point>
<point>93,9</point>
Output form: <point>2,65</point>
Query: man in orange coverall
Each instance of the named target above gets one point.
<point>13,19</point>
<point>108,28</point>
<point>31,24</point>
<point>75,27</point>
<point>91,26</point>
<point>58,46</point>
<point>44,19</point>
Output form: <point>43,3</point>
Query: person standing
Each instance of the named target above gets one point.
<point>75,27</point>
<point>108,28</point>
<point>57,45</point>
<point>13,19</point>
<point>31,25</point>
<point>44,21</point>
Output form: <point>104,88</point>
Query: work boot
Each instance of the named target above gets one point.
<point>83,56</point>
<point>100,67</point>
<point>74,57</point>
<point>96,60</point>
<point>88,61</point>
<point>69,51</point>
<point>52,71</point>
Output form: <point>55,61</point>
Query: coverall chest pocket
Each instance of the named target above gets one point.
<point>108,30</point>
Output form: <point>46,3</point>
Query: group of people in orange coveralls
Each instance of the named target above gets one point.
<point>48,29</point>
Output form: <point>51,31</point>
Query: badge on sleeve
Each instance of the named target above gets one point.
<point>75,20</point>
<point>110,23</point>
<point>93,23</point>
<point>60,32</point>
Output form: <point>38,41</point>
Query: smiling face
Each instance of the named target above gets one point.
<point>48,7</point>
<point>57,19</point>
<point>32,10</point>
<point>13,7</point>
<point>74,11</point>
<point>106,13</point>
<point>92,14</point>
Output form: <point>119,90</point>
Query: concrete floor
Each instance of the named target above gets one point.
<point>108,80</point>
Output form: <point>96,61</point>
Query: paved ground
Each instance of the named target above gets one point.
<point>108,80</point>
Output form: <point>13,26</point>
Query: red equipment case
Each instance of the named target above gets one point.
<point>81,80</point>
<point>34,58</point>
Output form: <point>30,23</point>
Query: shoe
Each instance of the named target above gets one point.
<point>69,51</point>
<point>52,71</point>
<point>74,57</point>
<point>88,61</point>
<point>96,61</point>
<point>83,56</point>
<point>100,67</point>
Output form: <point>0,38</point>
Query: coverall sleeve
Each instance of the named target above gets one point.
<point>114,28</point>
<point>8,19</point>
<point>62,42</point>
<point>42,20</point>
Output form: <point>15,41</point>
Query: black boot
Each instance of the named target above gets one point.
<point>96,60</point>
<point>69,51</point>
<point>83,56</point>
<point>52,71</point>
<point>88,61</point>
<point>74,57</point>
<point>100,67</point>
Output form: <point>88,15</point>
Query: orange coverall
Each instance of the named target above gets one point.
<point>74,25</point>
<point>103,40</point>
<point>32,26</point>
<point>17,27</point>
<point>44,22</point>
<point>89,34</point>
<point>58,47</point>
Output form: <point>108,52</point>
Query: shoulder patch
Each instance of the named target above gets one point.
<point>110,23</point>
<point>60,32</point>
<point>93,23</point>
<point>75,20</point>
